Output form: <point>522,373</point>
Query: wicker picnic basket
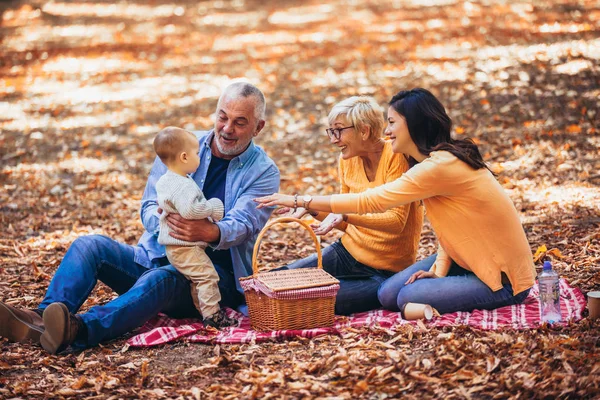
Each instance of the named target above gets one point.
<point>290,299</point>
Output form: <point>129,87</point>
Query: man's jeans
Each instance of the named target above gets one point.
<point>461,290</point>
<point>143,292</point>
<point>358,282</point>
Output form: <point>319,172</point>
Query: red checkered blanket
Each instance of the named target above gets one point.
<point>163,329</point>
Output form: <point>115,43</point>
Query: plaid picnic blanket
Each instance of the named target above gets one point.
<point>163,329</point>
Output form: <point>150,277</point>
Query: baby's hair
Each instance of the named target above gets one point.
<point>170,142</point>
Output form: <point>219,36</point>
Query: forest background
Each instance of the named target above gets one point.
<point>85,85</point>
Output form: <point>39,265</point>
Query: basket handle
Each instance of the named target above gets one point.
<point>280,221</point>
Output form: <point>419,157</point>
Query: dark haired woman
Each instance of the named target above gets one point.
<point>483,260</point>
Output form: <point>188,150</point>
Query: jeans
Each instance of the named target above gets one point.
<point>461,290</point>
<point>143,291</point>
<point>358,282</point>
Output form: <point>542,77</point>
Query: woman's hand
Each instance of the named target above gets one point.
<point>330,222</point>
<point>420,275</point>
<point>275,199</point>
<point>300,212</point>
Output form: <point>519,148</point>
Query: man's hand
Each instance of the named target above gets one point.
<point>330,222</point>
<point>420,275</point>
<point>193,230</point>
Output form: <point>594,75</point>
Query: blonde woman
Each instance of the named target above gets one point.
<point>374,246</point>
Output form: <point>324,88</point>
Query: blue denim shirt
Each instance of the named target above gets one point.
<point>251,174</point>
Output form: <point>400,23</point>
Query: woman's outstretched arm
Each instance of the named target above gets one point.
<point>318,203</point>
<point>429,178</point>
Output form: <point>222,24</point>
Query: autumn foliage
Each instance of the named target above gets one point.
<point>85,85</point>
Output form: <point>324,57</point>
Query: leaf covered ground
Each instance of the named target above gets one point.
<point>85,85</point>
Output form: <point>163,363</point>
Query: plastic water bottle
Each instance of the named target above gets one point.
<point>549,294</point>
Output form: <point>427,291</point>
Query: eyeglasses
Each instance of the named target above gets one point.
<point>335,133</point>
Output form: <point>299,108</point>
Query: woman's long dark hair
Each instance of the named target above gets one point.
<point>429,127</point>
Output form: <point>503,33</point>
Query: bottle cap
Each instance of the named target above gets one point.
<point>547,265</point>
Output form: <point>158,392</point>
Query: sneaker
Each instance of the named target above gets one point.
<point>219,320</point>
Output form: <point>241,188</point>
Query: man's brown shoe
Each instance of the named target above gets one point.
<point>61,328</point>
<point>20,325</point>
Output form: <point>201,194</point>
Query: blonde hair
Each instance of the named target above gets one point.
<point>170,142</point>
<point>362,112</point>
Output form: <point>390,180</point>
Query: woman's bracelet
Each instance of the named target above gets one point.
<point>295,202</point>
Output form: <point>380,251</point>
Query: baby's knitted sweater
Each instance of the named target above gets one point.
<point>178,194</point>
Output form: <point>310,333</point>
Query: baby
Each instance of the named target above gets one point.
<point>178,193</point>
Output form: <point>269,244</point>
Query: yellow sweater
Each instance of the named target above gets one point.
<point>386,241</point>
<point>475,221</point>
